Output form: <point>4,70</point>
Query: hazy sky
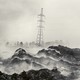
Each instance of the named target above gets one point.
<point>18,20</point>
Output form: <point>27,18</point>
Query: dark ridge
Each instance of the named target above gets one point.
<point>63,50</point>
<point>51,53</point>
<point>66,52</point>
<point>43,74</point>
<point>20,53</point>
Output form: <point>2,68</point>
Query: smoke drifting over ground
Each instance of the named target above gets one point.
<point>18,20</point>
<point>18,23</point>
<point>65,59</point>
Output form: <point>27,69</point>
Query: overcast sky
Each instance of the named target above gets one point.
<point>18,20</point>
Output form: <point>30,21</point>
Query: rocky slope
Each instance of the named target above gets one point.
<point>43,74</point>
<point>65,59</point>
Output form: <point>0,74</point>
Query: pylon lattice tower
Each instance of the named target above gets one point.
<point>40,29</point>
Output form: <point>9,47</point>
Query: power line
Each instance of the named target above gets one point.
<point>40,29</point>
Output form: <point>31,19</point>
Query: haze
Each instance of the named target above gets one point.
<point>18,20</point>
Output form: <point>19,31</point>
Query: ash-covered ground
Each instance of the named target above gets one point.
<point>52,63</point>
